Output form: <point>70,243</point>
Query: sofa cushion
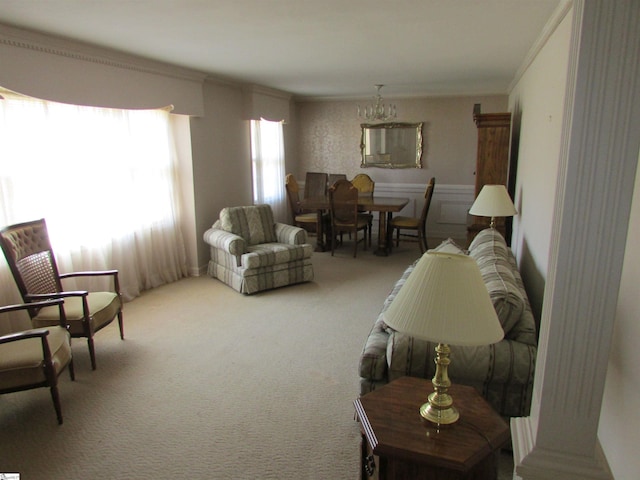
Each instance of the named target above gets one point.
<point>253,223</point>
<point>267,254</point>
<point>450,246</point>
<point>491,253</point>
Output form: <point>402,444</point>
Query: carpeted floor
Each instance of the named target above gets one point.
<point>211,384</point>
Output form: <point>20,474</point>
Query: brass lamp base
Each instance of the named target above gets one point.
<point>437,414</point>
<point>439,409</point>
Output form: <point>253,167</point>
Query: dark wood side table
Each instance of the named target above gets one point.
<point>398,444</point>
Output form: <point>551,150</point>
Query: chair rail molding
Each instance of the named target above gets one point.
<point>448,214</point>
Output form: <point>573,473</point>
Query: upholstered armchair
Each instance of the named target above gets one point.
<point>34,357</point>
<point>250,252</point>
<point>32,262</point>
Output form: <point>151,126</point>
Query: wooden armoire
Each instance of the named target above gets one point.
<point>492,162</point>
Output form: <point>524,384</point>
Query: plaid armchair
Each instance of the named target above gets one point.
<point>250,252</point>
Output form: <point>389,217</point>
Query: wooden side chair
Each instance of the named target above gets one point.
<point>33,265</point>
<point>315,184</point>
<point>343,198</point>
<point>364,183</point>
<point>419,224</point>
<point>334,177</point>
<point>366,186</point>
<point>34,358</point>
<point>301,218</point>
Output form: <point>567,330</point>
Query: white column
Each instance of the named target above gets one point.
<point>599,156</point>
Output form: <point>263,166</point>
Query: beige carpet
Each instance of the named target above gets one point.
<point>211,384</point>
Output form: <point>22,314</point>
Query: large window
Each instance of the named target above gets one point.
<point>104,180</point>
<point>267,154</point>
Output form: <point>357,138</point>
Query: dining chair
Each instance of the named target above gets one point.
<point>366,186</point>
<point>35,271</point>
<point>315,184</point>
<point>334,177</point>
<point>343,199</point>
<point>413,223</point>
<point>301,218</point>
<point>34,357</point>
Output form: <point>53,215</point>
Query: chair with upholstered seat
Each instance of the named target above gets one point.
<point>315,184</point>
<point>366,186</point>
<point>251,252</point>
<point>34,357</point>
<point>334,177</point>
<point>301,218</point>
<point>33,265</point>
<point>417,224</point>
<point>364,183</point>
<point>343,198</point>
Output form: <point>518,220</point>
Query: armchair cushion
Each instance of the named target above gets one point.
<point>21,362</point>
<point>103,306</point>
<point>253,223</point>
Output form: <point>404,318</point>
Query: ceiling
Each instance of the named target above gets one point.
<point>312,48</point>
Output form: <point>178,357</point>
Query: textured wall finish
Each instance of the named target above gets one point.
<point>328,138</point>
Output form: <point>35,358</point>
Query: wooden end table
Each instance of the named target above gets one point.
<point>398,444</point>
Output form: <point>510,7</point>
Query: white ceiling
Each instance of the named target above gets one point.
<point>318,48</point>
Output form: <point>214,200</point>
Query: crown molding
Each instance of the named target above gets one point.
<point>556,18</point>
<point>55,45</point>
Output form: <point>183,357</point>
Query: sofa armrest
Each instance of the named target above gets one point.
<point>290,234</point>
<point>373,360</point>
<point>229,242</point>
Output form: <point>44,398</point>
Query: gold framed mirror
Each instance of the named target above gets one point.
<point>391,145</point>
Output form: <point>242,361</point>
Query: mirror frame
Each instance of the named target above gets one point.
<point>413,162</point>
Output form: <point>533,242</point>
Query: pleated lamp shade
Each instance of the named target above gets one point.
<point>445,300</point>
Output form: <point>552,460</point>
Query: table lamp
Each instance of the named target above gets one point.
<point>493,201</point>
<point>444,300</point>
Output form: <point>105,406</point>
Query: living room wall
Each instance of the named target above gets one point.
<point>537,101</point>
<point>221,157</point>
<point>328,138</point>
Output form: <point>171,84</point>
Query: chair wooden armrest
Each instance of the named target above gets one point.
<point>96,273</point>
<point>14,337</point>
<point>89,273</point>
<point>46,302</point>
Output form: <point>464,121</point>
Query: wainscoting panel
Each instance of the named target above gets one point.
<point>448,214</point>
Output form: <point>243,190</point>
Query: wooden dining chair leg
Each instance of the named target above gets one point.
<point>421,243</point>
<point>355,243</point>
<point>424,246</point>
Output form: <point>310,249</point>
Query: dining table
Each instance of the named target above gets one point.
<point>386,206</point>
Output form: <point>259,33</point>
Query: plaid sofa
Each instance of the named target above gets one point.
<point>502,372</point>
<point>250,252</point>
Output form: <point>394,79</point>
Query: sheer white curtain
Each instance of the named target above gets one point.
<point>267,156</point>
<point>104,181</point>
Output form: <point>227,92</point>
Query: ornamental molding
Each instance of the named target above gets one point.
<point>53,45</point>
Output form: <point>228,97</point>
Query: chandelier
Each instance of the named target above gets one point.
<point>378,111</point>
